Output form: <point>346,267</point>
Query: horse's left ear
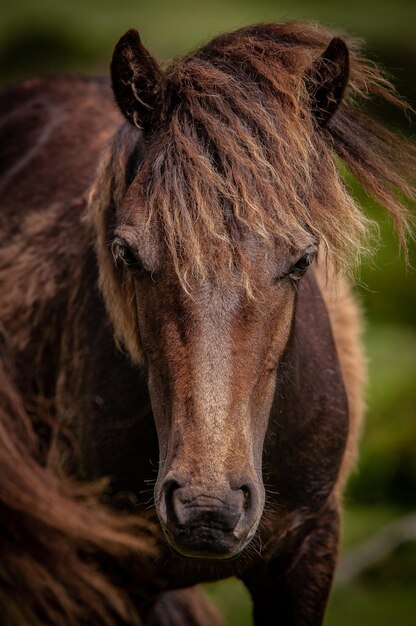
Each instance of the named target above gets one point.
<point>327,80</point>
<point>136,79</point>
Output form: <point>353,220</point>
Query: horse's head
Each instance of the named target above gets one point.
<point>199,266</point>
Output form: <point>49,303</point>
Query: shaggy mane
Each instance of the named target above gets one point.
<point>239,151</point>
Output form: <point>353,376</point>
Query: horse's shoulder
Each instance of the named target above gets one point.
<point>51,132</point>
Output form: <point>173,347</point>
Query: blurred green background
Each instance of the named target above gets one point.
<point>47,36</point>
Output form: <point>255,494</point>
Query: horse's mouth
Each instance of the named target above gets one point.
<point>206,542</point>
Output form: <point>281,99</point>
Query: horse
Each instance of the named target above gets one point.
<point>177,299</point>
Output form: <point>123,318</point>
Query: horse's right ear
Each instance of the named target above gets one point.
<point>136,79</point>
<point>327,80</point>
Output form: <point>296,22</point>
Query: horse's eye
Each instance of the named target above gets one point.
<point>301,266</point>
<point>122,253</point>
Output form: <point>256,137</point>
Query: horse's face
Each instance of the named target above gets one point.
<point>212,355</point>
<point>212,360</point>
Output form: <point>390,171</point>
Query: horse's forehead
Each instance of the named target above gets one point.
<point>219,303</point>
<point>218,298</point>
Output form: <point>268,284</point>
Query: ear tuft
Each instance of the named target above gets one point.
<point>327,80</point>
<point>136,80</point>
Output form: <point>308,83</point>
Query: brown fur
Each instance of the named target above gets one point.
<point>54,531</point>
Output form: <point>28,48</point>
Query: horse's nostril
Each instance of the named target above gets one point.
<point>246,486</point>
<point>169,487</point>
<point>252,499</point>
<point>247,496</point>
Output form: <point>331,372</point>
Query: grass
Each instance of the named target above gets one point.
<point>387,466</point>
<point>361,605</point>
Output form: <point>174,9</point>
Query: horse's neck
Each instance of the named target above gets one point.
<point>309,419</point>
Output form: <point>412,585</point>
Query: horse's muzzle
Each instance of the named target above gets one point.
<point>204,523</point>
